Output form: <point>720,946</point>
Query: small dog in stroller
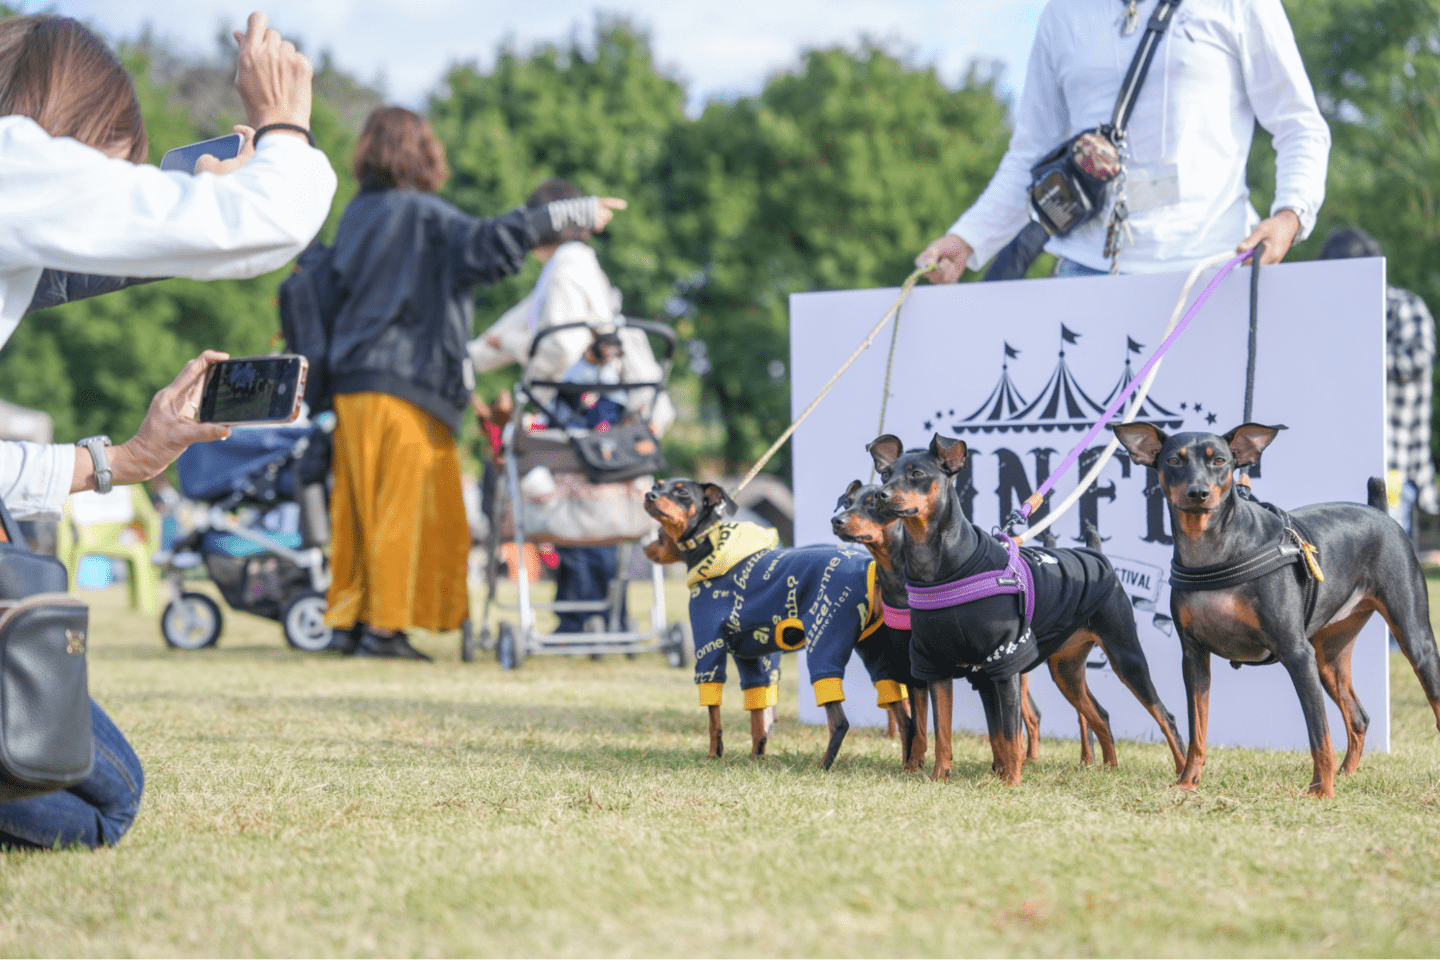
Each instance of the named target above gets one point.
<point>274,573</point>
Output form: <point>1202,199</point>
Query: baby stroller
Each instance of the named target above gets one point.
<point>278,573</point>
<point>575,486</point>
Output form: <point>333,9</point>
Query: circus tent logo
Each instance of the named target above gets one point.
<point>1062,404</point>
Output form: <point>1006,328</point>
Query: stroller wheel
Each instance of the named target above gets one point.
<point>507,648</point>
<point>303,618</point>
<point>677,646</point>
<point>192,622</point>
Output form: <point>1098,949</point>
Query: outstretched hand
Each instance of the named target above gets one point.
<point>169,428</point>
<point>608,206</point>
<point>272,77</point>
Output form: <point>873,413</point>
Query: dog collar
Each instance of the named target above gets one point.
<point>1015,578</point>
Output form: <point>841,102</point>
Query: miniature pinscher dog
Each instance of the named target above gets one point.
<point>1343,562</point>
<point>756,601</point>
<point>1078,603</point>
<point>857,520</point>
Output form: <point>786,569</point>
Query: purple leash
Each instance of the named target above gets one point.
<point>1038,497</point>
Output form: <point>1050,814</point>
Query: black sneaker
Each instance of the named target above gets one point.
<point>345,641</point>
<point>396,645</point>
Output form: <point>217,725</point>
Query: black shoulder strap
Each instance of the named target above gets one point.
<point>11,528</point>
<point>1130,89</point>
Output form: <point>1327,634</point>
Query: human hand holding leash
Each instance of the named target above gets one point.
<point>1277,232</point>
<point>949,254</point>
<point>272,77</point>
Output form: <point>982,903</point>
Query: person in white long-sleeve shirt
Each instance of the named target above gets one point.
<point>1222,65</point>
<point>73,197</point>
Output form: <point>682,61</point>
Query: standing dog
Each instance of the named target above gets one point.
<point>857,520</point>
<point>1294,612</point>
<point>1078,602</point>
<point>756,601</point>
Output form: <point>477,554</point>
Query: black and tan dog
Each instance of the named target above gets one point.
<point>1319,573</point>
<point>1078,602</point>
<point>752,600</point>
<point>857,520</point>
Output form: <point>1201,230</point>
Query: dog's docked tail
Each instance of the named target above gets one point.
<point>1093,540</point>
<point>1375,488</point>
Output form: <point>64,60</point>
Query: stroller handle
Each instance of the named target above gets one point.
<point>662,330</point>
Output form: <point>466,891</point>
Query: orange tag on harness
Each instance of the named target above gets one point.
<point>1312,560</point>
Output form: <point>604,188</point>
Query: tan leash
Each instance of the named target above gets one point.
<point>905,289</point>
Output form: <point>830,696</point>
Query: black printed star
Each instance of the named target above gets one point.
<point>952,413</point>
<point>928,426</point>
<point>1210,418</point>
<point>1182,406</point>
<point>1195,407</point>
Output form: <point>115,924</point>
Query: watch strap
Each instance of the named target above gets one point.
<point>103,475</point>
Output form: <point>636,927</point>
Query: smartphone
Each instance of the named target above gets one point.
<point>254,390</point>
<point>221,148</point>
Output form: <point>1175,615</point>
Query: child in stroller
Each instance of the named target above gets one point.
<point>279,573</point>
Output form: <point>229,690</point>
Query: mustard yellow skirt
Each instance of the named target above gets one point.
<point>400,538</point>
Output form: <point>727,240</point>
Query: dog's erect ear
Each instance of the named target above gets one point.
<point>716,496</point>
<point>950,452</point>
<point>1249,440</point>
<point>854,485</point>
<point>885,450</point>
<point>1142,440</point>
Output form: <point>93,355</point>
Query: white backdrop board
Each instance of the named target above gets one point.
<point>1020,369</point>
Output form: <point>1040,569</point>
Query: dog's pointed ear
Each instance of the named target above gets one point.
<point>716,496</point>
<point>1142,440</point>
<point>885,450</point>
<point>951,453</point>
<point>854,485</point>
<point>1249,440</point>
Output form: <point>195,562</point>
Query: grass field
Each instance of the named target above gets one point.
<point>309,805</point>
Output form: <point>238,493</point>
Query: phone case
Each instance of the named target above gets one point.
<point>299,392</point>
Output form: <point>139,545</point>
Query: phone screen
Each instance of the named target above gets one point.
<point>183,158</point>
<point>253,390</point>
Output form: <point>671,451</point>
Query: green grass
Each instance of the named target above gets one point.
<point>309,805</point>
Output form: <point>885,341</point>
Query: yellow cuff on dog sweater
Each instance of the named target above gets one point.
<point>710,694</point>
<point>758,698</point>
<point>888,691</point>
<point>829,690</point>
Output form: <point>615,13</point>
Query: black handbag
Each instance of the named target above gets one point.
<point>1070,184</point>
<point>46,740</point>
<point>623,452</point>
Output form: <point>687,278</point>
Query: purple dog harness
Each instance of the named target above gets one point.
<point>897,618</point>
<point>1015,578</point>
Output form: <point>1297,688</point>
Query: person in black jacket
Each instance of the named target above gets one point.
<point>405,263</point>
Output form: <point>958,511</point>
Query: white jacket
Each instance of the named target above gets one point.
<point>572,288</point>
<point>66,206</point>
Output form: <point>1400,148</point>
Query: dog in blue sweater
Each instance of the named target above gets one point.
<point>752,600</point>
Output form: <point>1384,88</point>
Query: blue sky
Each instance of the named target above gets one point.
<point>718,49</point>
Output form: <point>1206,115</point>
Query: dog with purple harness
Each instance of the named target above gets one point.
<point>987,610</point>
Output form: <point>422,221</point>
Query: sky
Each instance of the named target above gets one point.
<point>718,49</point>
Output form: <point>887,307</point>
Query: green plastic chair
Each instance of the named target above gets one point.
<point>123,531</point>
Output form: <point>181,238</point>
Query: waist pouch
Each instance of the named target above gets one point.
<point>623,452</point>
<point>1070,184</point>
<point>46,742</point>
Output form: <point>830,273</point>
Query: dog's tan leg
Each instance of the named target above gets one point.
<point>920,713</point>
<point>900,723</point>
<point>1333,647</point>
<point>717,742</point>
<point>942,696</point>
<point>1030,713</point>
<point>761,721</point>
<point>1196,670</point>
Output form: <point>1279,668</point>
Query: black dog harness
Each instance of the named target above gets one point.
<point>1293,547</point>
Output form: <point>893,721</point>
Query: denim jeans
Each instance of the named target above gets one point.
<point>1069,268</point>
<point>97,811</point>
<point>584,574</point>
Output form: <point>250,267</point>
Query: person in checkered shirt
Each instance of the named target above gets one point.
<point>1409,360</point>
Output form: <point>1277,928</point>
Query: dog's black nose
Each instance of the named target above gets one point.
<point>882,494</point>
<point>651,494</point>
<point>1197,493</point>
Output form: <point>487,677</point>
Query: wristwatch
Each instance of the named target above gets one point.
<point>96,446</point>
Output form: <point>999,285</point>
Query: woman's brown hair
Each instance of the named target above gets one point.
<point>558,188</point>
<point>59,74</point>
<point>398,148</point>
